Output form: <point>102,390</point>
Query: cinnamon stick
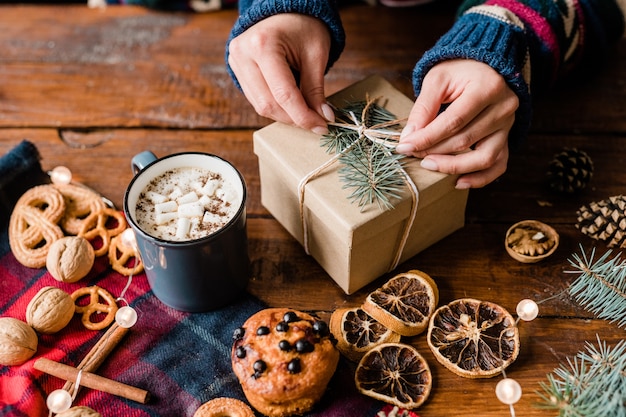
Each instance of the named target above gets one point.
<point>93,381</point>
<point>99,352</point>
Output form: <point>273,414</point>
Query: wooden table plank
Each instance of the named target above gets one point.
<point>125,66</point>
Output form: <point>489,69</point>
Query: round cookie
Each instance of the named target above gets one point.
<point>284,360</point>
<point>224,407</point>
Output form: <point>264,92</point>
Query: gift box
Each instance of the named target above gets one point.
<point>355,245</point>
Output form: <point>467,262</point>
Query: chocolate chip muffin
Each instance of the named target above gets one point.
<point>284,360</point>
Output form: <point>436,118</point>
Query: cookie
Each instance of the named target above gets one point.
<point>100,302</point>
<point>33,226</point>
<point>80,202</point>
<point>284,360</point>
<point>124,259</point>
<point>224,407</point>
<point>103,225</point>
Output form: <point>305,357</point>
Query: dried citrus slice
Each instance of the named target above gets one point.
<point>404,303</point>
<point>472,338</point>
<point>395,373</point>
<point>357,332</point>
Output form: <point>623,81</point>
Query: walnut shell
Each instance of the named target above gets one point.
<point>18,341</point>
<point>80,411</point>
<point>70,258</point>
<point>530,241</point>
<point>50,310</point>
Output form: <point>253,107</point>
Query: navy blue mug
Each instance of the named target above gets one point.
<point>195,275</point>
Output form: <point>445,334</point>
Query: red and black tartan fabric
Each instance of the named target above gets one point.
<point>181,359</point>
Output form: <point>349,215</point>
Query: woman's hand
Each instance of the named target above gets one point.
<point>263,59</point>
<point>470,137</point>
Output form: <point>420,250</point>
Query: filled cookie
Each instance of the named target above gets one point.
<point>284,360</point>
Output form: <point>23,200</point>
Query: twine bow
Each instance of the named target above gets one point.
<point>377,133</point>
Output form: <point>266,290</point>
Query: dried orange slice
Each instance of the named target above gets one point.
<point>357,332</point>
<point>395,373</point>
<point>404,303</point>
<point>473,339</point>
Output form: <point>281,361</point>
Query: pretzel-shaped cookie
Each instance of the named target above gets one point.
<point>33,225</point>
<point>95,225</point>
<point>80,202</point>
<point>126,253</point>
<point>95,293</point>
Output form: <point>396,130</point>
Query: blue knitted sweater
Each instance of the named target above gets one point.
<point>524,40</point>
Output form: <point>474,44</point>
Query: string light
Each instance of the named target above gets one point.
<point>527,310</point>
<point>129,240</point>
<point>126,317</point>
<point>60,175</point>
<point>60,400</point>
<point>508,391</point>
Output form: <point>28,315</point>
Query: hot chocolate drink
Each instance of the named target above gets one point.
<point>186,203</point>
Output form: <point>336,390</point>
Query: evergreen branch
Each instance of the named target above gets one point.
<point>373,173</point>
<point>365,135</point>
<point>594,383</point>
<point>601,286</point>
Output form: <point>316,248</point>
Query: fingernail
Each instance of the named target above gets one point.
<point>405,148</point>
<point>328,112</point>
<point>430,165</point>
<point>408,129</point>
<point>461,185</point>
<point>320,130</point>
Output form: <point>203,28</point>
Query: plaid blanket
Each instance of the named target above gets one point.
<point>182,359</point>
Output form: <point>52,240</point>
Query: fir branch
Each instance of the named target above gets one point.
<point>365,135</point>
<point>601,285</point>
<point>593,384</point>
<point>373,173</point>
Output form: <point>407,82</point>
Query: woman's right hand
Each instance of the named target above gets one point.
<point>264,59</point>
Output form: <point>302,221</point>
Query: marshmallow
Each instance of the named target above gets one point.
<point>189,210</point>
<point>163,218</point>
<point>188,198</point>
<point>165,207</point>
<point>182,228</point>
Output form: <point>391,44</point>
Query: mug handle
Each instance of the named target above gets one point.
<point>142,160</point>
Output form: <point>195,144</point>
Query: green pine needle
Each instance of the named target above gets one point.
<point>601,285</point>
<point>369,168</point>
<point>593,384</point>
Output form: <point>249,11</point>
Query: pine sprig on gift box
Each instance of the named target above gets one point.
<point>364,137</point>
<point>592,384</point>
<point>601,285</point>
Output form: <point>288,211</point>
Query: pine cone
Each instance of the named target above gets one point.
<point>605,220</point>
<point>570,171</point>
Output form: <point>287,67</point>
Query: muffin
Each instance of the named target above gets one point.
<point>284,360</point>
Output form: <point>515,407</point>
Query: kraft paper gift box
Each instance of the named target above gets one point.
<point>354,245</point>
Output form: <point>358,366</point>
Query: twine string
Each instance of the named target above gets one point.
<point>377,134</point>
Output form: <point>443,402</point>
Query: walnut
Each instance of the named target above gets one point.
<point>18,341</point>
<point>80,411</point>
<point>70,258</point>
<point>50,310</point>
<point>530,241</point>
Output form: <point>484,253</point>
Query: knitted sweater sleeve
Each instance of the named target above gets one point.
<point>531,43</point>
<point>253,11</point>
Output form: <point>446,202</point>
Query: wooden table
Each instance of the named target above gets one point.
<point>91,88</point>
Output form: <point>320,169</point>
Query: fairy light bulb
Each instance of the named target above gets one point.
<point>129,240</point>
<point>61,175</point>
<point>58,401</point>
<point>126,317</point>
<point>527,310</point>
<point>508,391</point>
